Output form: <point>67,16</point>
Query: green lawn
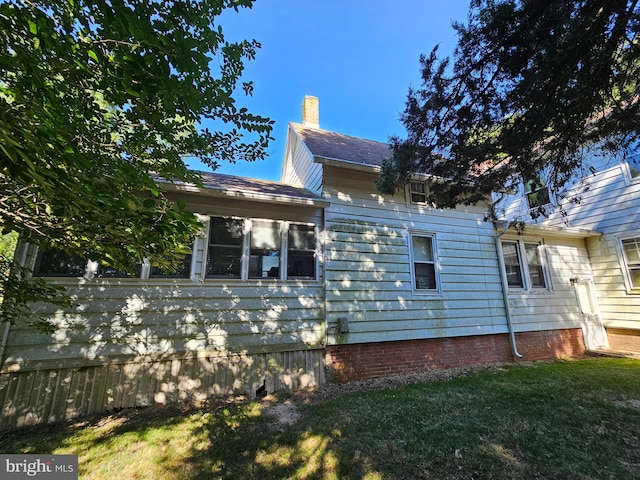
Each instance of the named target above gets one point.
<point>563,420</point>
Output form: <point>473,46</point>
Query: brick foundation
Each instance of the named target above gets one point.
<point>370,360</point>
<point>624,339</point>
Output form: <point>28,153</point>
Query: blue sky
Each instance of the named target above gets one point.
<point>358,57</point>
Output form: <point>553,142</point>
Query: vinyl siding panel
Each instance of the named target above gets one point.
<point>609,202</point>
<point>368,269</point>
<point>147,318</point>
<point>299,165</point>
<point>131,342</point>
<point>555,307</point>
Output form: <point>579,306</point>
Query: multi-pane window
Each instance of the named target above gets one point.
<point>252,248</point>
<point>231,248</point>
<point>424,263</point>
<point>631,254</point>
<point>523,264</point>
<point>417,192</point>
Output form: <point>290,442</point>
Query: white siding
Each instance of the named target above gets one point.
<point>609,203</point>
<point>369,272</point>
<point>557,306</point>
<point>123,318</point>
<point>299,167</point>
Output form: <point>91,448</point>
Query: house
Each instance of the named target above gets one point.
<point>315,278</point>
<point>604,198</point>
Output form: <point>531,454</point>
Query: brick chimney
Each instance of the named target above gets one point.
<point>310,112</point>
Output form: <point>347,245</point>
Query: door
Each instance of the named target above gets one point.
<point>595,336</point>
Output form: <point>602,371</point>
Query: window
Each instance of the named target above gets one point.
<point>56,263</point>
<point>634,166</point>
<point>424,263</point>
<point>512,264</point>
<point>537,193</point>
<point>255,248</point>
<point>417,192</point>
<point>301,251</point>
<point>264,256</point>
<point>225,247</point>
<point>631,260</point>
<point>229,248</point>
<point>524,266</point>
<point>183,270</point>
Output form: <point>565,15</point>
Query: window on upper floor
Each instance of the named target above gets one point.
<point>524,265</point>
<point>417,192</point>
<point>634,166</point>
<point>537,192</point>
<point>630,249</point>
<point>424,262</point>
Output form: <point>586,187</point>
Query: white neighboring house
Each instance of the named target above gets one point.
<point>608,202</point>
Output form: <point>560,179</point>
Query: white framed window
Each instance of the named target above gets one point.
<point>417,192</point>
<point>537,193</point>
<point>525,265</point>
<point>630,259</point>
<point>228,248</point>
<point>261,249</point>
<point>301,251</point>
<point>424,263</point>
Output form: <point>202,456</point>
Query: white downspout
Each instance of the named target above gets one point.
<point>505,285</point>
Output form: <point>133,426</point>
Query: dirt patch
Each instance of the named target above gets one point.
<point>284,414</point>
<point>331,390</point>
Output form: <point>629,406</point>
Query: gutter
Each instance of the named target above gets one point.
<point>505,285</point>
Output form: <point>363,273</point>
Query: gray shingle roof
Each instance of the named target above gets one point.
<point>336,146</point>
<point>229,184</point>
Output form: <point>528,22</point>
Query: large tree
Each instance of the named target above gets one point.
<point>98,100</point>
<point>531,87</point>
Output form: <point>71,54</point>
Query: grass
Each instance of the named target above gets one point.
<point>561,420</point>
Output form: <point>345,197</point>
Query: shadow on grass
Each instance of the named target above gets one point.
<point>564,420</point>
